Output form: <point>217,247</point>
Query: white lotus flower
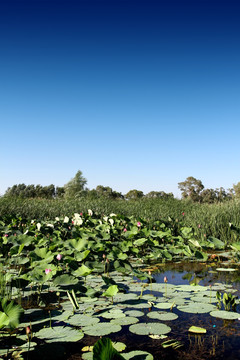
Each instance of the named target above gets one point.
<point>90,212</point>
<point>38,226</point>
<point>66,219</point>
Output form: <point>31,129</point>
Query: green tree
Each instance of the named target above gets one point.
<point>75,186</point>
<point>191,188</point>
<point>134,194</point>
<point>236,189</point>
<point>159,195</point>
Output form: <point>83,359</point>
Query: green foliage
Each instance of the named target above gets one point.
<point>104,350</point>
<point>134,195</point>
<point>191,188</point>
<point>75,186</point>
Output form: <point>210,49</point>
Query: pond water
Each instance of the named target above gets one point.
<point>222,338</point>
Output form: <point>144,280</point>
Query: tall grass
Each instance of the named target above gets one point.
<point>207,220</point>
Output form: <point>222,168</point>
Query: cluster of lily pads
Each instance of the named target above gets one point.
<point>79,276</point>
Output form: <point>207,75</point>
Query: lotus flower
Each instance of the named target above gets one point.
<point>59,257</point>
<point>124,230</point>
<point>47,271</point>
<point>139,224</point>
<point>165,279</point>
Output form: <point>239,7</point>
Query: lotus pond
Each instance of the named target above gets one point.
<point>156,290</point>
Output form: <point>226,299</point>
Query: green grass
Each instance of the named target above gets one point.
<point>207,220</point>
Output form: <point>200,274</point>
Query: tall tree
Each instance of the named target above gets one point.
<point>191,188</point>
<point>134,194</point>
<point>75,186</point>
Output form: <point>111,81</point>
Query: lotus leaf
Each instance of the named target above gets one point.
<point>59,334</point>
<point>150,328</point>
<point>65,280</point>
<point>82,271</point>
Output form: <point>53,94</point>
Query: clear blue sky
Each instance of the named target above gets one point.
<point>135,94</point>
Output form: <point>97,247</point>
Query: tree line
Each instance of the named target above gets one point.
<point>191,189</point>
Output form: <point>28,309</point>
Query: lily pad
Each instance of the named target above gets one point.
<point>164,305</point>
<point>134,313</point>
<point>138,355</point>
<point>82,320</point>
<point>127,320</point>
<point>197,308</point>
<point>59,334</point>
<point>150,328</point>
<point>226,315</point>
<point>163,315</point>
<point>101,329</point>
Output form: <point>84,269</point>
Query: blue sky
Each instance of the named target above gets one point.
<point>135,94</point>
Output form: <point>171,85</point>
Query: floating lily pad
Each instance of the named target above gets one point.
<point>164,305</point>
<point>197,308</point>
<point>150,328</point>
<point>113,314</point>
<point>226,315</point>
<point>59,334</point>
<point>163,315</point>
<point>134,313</point>
<point>127,320</point>
<point>101,329</point>
<point>138,355</point>
<point>82,320</point>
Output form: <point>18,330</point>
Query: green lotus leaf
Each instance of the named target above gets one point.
<point>197,330</point>
<point>127,320</point>
<point>197,308</point>
<point>218,244</point>
<point>82,271</point>
<point>65,280</point>
<point>80,256</point>
<point>101,329</point>
<point>82,320</point>
<point>139,242</point>
<point>77,244</point>
<point>59,334</point>
<point>226,315</point>
<point>150,328</point>
<point>163,315</point>
<point>138,355</point>
<point>111,291</point>
<point>134,313</point>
